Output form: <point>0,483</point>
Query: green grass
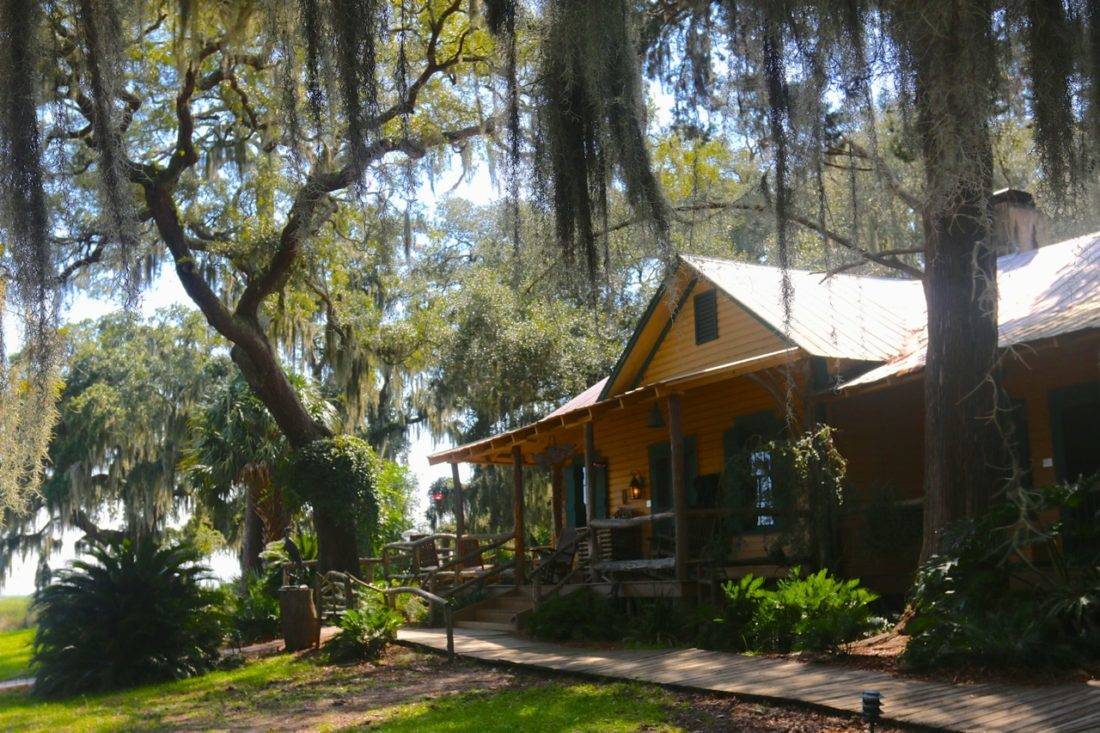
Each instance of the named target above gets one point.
<point>15,613</point>
<point>550,707</point>
<point>15,653</point>
<point>282,691</point>
<point>156,706</point>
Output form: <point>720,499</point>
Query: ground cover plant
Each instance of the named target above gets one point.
<point>364,633</point>
<point>1013,587</point>
<point>133,612</point>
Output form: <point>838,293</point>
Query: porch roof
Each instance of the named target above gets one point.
<point>586,407</point>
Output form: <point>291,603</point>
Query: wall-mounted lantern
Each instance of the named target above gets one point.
<point>637,487</point>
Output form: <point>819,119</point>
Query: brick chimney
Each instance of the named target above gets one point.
<point>1017,225</point>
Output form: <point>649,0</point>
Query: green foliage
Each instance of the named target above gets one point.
<point>813,612</point>
<point>364,633</point>
<point>394,487</point>
<point>15,613</point>
<point>1011,589</point>
<point>133,613</point>
<point>580,616</point>
<point>15,653</point>
<point>252,612</point>
<point>338,474</point>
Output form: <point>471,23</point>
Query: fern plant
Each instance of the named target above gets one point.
<point>364,633</point>
<point>134,612</point>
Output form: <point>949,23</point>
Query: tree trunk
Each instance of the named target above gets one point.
<point>950,43</point>
<point>252,541</point>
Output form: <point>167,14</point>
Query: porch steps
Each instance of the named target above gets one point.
<point>501,612</point>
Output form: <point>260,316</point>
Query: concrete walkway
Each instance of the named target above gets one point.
<point>982,707</point>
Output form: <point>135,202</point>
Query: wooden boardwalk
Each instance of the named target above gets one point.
<point>984,707</point>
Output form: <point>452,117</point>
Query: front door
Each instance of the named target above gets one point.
<point>576,513</point>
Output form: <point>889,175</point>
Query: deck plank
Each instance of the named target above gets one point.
<point>985,707</point>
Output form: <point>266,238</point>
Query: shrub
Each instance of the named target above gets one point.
<point>579,616</point>
<point>364,633</point>
<point>815,612</point>
<point>252,613</point>
<point>984,599</point>
<point>135,612</point>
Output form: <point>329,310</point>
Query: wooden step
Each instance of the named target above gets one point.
<point>486,625</point>
<point>497,615</point>
<point>514,603</point>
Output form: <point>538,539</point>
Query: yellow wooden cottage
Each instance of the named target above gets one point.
<point>715,362</point>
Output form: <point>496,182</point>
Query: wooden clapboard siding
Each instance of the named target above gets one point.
<point>1031,373</point>
<point>740,335</point>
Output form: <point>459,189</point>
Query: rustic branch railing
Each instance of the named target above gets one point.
<point>390,593</point>
<point>547,563</point>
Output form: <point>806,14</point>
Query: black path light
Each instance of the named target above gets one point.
<point>872,708</point>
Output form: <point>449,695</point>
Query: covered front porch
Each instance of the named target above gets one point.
<point>636,486</point>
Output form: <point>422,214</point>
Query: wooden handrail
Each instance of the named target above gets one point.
<point>630,522</point>
<point>448,615</point>
<point>452,564</point>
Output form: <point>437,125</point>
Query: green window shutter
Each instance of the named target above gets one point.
<point>660,491</point>
<point>706,316</point>
<point>735,495</point>
<point>599,490</point>
<point>570,495</point>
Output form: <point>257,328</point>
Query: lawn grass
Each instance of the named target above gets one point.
<point>549,707</point>
<point>15,653</point>
<point>15,613</point>
<point>153,706</point>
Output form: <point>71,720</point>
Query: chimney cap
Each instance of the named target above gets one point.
<point>1015,196</point>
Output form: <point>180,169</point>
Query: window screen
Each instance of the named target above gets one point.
<point>706,317</point>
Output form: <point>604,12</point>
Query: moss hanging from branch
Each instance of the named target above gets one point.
<point>591,118</point>
<point>500,16</point>
<point>1050,66</point>
<point>101,35</point>
<point>354,25</point>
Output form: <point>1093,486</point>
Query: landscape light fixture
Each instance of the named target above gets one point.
<point>872,708</point>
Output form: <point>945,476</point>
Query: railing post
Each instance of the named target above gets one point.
<point>679,497</point>
<point>448,619</point>
<point>590,496</point>
<point>517,512</point>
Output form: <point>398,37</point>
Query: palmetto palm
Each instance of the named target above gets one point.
<point>235,448</point>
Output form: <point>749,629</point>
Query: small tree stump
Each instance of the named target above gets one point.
<point>298,617</point>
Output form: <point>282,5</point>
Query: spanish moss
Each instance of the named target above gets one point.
<point>1050,66</point>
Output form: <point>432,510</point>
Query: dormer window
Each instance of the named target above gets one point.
<point>706,317</point>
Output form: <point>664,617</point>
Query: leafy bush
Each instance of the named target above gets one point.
<point>815,612</point>
<point>134,613</point>
<point>580,616</point>
<point>1010,588</point>
<point>364,633</point>
<point>252,614</point>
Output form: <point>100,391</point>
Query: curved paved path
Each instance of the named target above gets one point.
<point>981,707</point>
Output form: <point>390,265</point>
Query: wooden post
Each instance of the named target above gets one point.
<point>460,521</point>
<point>557,499</point>
<point>298,617</point>
<point>517,512</point>
<point>590,494</point>
<point>679,495</point>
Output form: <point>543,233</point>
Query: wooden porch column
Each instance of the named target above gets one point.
<point>517,512</point>
<point>460,520</point>
<point>679,495</point>
<point>556,498</point>
<point>590,493</point>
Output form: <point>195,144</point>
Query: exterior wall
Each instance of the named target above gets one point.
<point>740,336</point>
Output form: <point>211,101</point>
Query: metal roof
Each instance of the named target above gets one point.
<point>842,316</point>
<point>1042,293</point>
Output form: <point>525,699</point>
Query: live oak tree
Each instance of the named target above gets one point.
<point>227,137</point>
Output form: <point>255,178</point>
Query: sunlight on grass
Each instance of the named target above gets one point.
<point>551,707</point>
<point>15,653</point>
<point>161,705</point>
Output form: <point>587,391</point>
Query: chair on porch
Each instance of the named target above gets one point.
<point>554,564</point>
